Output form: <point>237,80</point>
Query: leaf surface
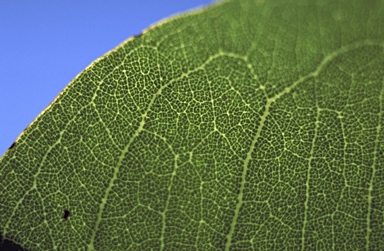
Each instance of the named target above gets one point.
<point>249,125</point>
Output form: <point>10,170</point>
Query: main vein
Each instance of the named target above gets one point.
<point>306,207</point>
<point>117,168</point>
<point>370,188</point>
<point>264,116</point>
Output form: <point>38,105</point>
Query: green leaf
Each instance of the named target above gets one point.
<point>248,125</point>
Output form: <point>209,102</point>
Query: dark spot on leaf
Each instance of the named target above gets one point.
<point>137,36</point>
<point>13,145</point>
<point>66,214</point>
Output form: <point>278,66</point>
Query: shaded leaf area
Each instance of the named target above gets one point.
<point>7,245</point>
<point>249,125</point>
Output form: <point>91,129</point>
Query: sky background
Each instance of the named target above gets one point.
<point>45,44</point>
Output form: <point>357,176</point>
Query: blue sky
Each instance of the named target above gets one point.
<point>45,44</point>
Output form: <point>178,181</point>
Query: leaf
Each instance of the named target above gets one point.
<point>248,125</point>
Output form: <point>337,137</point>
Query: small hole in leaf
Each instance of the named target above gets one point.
<point>66,214</point>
